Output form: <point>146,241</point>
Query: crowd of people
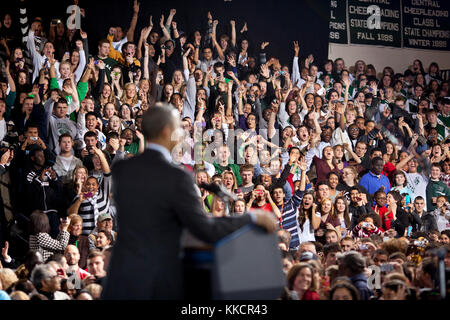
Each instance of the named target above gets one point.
<point>354,163</point>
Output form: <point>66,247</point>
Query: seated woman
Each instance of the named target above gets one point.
<point>40,239</point>
<point>300,282</point>
<point>367,226</point>
<point>401,219</point>
<point>401,183</point>
<point>78,240</point>
<point>328,220</point>
<point>326,164</point>
<point>104,240</point>
<point>342,213</point>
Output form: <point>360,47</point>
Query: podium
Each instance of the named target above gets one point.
<point>247,266</point>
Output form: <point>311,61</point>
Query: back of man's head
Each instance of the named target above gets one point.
<point>157,118</point>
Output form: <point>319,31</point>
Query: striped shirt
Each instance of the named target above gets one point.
<point>91,208</point>
<point>289,215</point>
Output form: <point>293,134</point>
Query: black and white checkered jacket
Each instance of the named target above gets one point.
<point>48,246</point>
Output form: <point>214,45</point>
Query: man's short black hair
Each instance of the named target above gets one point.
<point>90,134</point>
<point>64,135</point>
<point>375,160</point>
<point>112,135</point>
<point>90,113</point>
<point>375,150</point>
<point>331,247</point>
<point>30,125</point>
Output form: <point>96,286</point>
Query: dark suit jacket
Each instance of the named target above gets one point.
<point>155,201</point>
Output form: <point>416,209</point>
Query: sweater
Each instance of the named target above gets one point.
<point>436,189</point>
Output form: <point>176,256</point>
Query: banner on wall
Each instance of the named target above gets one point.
<point>426,24</point>
<point>338,21</point>
<point>421,24</point>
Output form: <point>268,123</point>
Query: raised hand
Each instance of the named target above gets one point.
<point>161,22</point>
<point>174,25</point>
<point>296,48</point>
<point>265,71</point>
<point>83,34</point>
<point>173,12</point>
<point>231,61</point>
<point>79,45</point>
<point>136,7</point>
<point>209,16</point>
<point>233,23</point>
<point>264,45</point>
<point>244,28</point>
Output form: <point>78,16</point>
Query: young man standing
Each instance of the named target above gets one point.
<point>427,220</point>
<point>436,187</point>
<point>247,172</point>
<point>374,180</point>
<point>66,162</point>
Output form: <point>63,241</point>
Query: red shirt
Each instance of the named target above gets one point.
<point>310,295</point>
<point>385,221</point>
<point>267,207</point>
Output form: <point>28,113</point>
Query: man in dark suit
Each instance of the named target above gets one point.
<point>155,201</point>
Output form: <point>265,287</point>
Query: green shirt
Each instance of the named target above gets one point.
<point>110,63</point>
<point>132,148</point>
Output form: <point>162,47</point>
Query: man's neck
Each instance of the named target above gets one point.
<point>224,163</point>
<point>247,185</point>
<point>65,154</point>
<point>102,57</point>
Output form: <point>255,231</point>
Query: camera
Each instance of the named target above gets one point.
<point>421,140</point>
<point>365,225</point>
<point>386,267</point>
<point>163,46</point>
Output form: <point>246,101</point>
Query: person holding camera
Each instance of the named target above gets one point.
<point>367,226</point>
<point>40,239</point>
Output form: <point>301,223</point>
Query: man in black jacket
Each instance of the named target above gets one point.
<point>155,200</point>
<point>426,219</point>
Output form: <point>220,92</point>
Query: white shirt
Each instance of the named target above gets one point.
<point>417,183</point>
<point>306,235</point>
<point>66,162</point>
<point>3,129</point>
<point>163,150</point>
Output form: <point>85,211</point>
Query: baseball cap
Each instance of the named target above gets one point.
<point>104,216</point>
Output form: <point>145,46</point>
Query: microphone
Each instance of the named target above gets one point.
<point>219,190</point>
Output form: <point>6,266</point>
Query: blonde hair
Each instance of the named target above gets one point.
<point>214,201</point>
<point>110,99</point>
<point>125,98</point>
<point>7,278</point>
<point>234,178</point>
<point>74,219</point>
<point>19,295</point>
<point>95,290</point>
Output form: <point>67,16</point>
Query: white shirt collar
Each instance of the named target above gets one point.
<point>163,150</point>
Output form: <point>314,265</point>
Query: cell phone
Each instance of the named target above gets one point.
<point>365,225</point>
<point>386,267</point>
<point>34,138</point>
<point>96,62</point>
<point>363,247</point>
